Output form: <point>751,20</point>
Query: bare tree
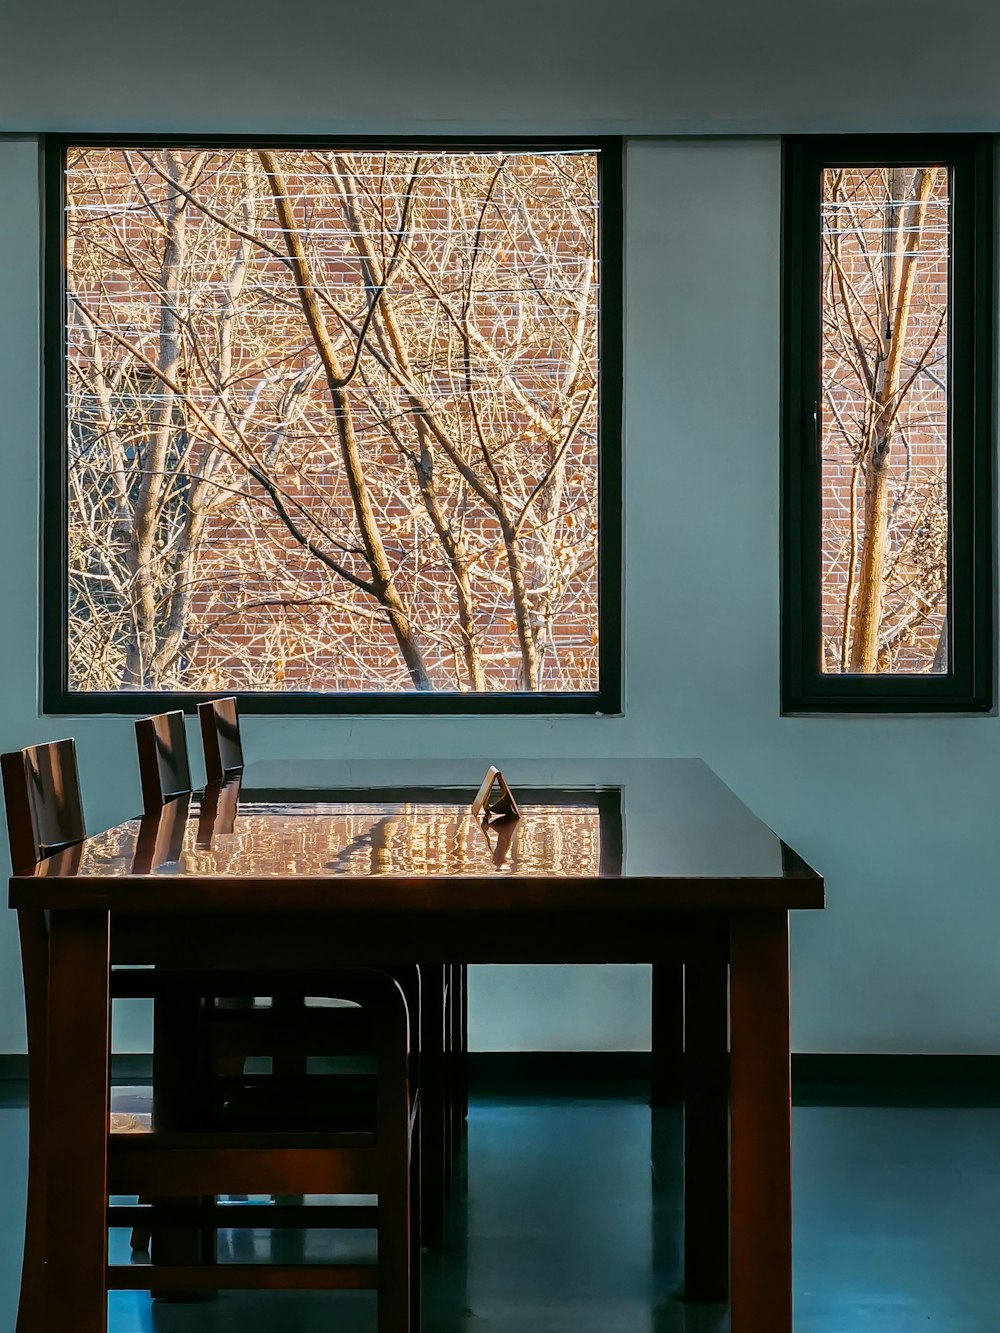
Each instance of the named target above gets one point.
<point>333,420</point>
<point>884,348</point>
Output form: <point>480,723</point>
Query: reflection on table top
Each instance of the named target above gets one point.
<point>687,831</point>
<point>334,839</point>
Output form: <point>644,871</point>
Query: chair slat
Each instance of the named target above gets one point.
<point>244,1277</point>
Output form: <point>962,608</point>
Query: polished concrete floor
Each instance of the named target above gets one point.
<point>570,1224</point>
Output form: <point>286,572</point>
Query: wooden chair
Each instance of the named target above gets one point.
<point>165,773</point>
<point>366,1152</point>
<point>44,814</point>
<point>341,1140</point>
<point>180,1016</point>
<point>441,1068</point>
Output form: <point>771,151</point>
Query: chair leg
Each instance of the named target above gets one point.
<point>290,1061</point>
<point>181,1074</point>
<point>448,1074</point>
<point>396,1271</point>
<point>141,1236</point>
<point>459,1051</point>
<point>432,1106</point>
<point>666,1087</point>
<point>414,1226</point>
<point>398,1248</point>
<point>465,1041</point>
<point>34,953</point>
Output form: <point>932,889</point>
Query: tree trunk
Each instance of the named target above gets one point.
<point>383,587</point>
<point>423,460</point>
<point>139,665</point>
<point>904,225</point>
<point>174,631</point>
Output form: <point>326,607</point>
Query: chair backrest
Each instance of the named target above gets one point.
<point>163,759</point>
<point>220,737</point>
<point>41,787</point>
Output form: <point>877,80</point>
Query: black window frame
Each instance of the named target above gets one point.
<point>968,686</point>
<point>606,700</point>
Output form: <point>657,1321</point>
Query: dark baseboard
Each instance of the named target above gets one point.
<point>817,1079</point>
<point>124,1068</point>
<point>826,1068</point>
<point>896,1080</point>
<point>806,1068</point>
<point>556,1066</point>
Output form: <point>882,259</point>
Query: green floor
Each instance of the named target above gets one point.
<point>570,1224</point>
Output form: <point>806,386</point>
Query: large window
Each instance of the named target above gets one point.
<point>333,425</point>
<point>887,432</point>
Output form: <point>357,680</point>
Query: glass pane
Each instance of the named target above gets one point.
<point>884,419</point>
<point>332,420</point>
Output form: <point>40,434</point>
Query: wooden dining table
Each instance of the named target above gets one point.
<point>611,861</point>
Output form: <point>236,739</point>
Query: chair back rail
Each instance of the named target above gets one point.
<point>220,738</point>
<point>42,795</point>
<point>164,769</point>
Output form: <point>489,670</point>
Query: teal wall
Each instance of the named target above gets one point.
<point>898,812</point>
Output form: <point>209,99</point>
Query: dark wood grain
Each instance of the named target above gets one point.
<point>701,850</point>
<point>761,1119</point>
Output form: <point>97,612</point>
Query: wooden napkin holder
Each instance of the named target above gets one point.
<point>494,800</point>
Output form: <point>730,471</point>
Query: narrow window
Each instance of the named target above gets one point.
<point>887,553</point>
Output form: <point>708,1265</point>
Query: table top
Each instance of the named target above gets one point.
<point>666,833</point>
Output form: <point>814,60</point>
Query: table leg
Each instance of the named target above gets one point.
<point>458,1097</point>
<point>447,1073</point>
<point>666,1082</point>
<point>463,1042</point>
<point>432,1104</point>
<point>706,1131</point>
<point>761,1121</point>
<point>76,1122</point>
